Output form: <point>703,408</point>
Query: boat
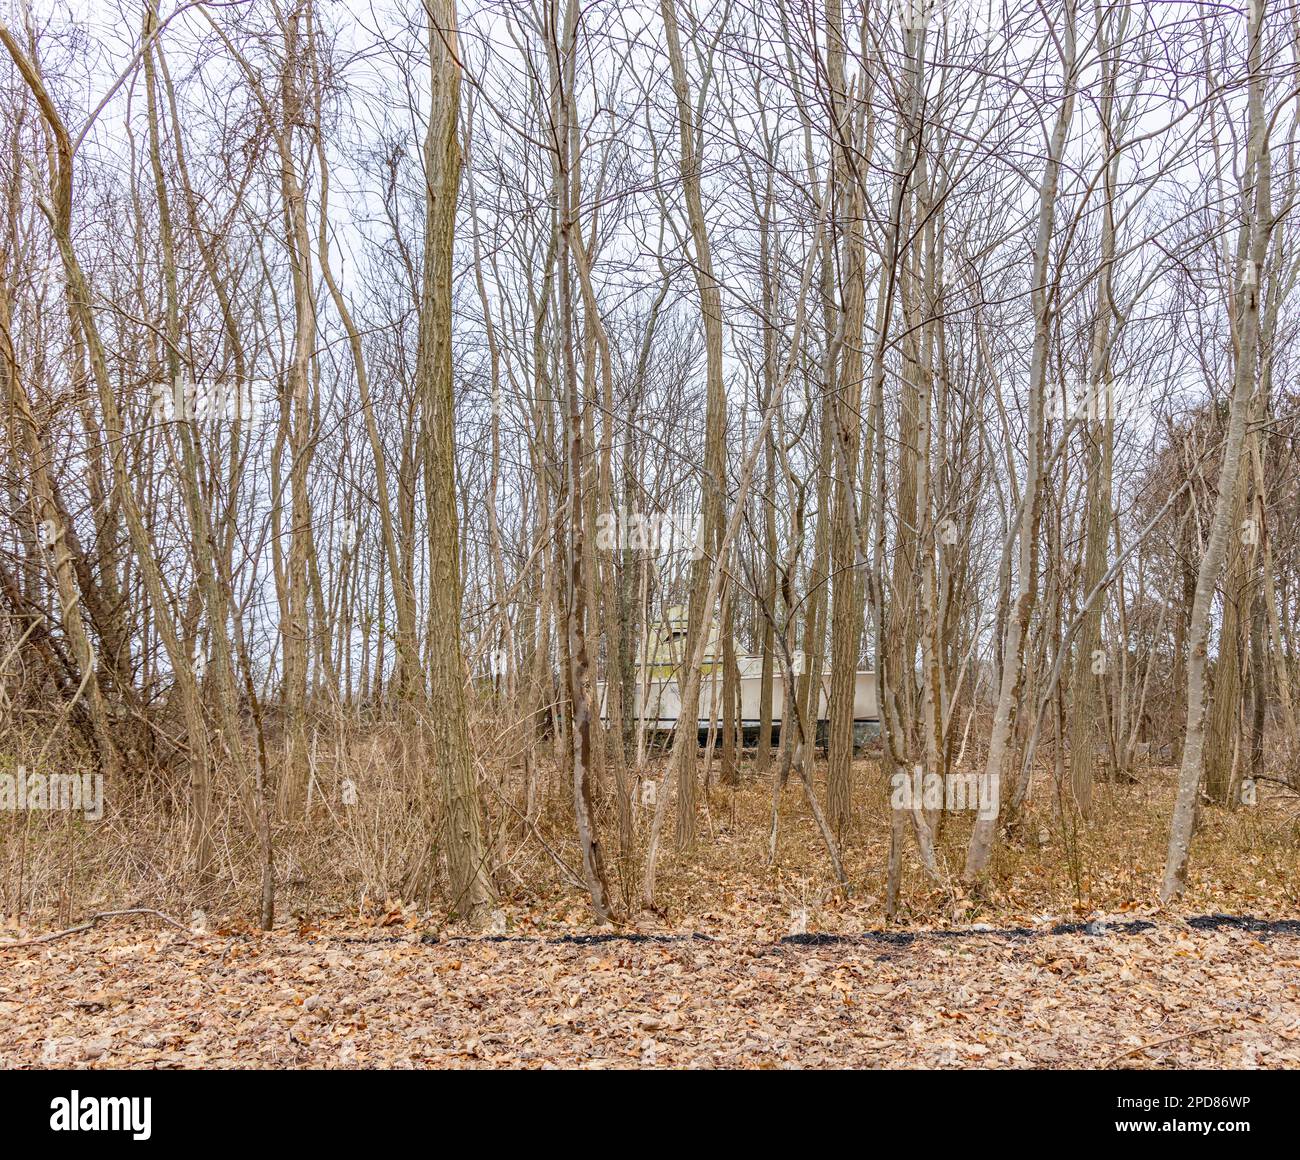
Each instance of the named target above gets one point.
<point>658,697</point>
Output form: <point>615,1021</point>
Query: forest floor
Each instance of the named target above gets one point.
<point>1064,959</point>
<point>130,993</point>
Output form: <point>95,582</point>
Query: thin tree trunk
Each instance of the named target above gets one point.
<point>467,854</point>
<point>1252,249</point>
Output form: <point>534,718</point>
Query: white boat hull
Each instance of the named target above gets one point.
<point>663,700</point>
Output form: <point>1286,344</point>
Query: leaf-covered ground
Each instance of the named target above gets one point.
<point>347,980</point>
<point>344,994</point>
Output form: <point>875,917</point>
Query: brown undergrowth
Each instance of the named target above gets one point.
<point>360,846</point>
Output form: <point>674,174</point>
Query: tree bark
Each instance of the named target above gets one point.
<point>467,855</point>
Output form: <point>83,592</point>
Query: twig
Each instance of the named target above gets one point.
<point>91,921</point>
<point>1268,777</point>
<point>1158,1043</point>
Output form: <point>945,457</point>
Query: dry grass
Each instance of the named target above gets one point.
<point>1243,860</point>
<point>342,859</point>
